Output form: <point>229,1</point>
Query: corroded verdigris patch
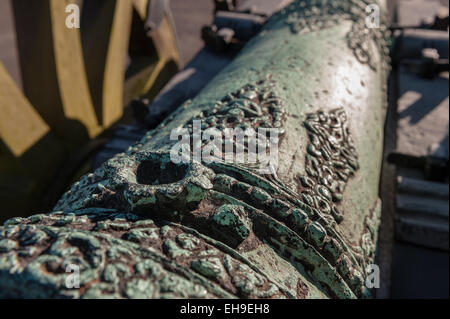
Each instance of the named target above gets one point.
<point>232,219</point>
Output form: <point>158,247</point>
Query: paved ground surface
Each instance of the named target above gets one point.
<point>419,269</point>
<point>423,115</point>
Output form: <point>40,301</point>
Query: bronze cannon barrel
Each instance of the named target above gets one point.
<point>146,225</point>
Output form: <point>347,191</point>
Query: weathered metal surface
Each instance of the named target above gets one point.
<point>143,226</point>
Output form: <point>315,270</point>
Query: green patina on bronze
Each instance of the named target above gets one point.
<point>142,226</point>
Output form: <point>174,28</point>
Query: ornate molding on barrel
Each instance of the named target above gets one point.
<point>331,160</point>
<point>143,226</point>
<point>314,15</point>
<point>122,255</point>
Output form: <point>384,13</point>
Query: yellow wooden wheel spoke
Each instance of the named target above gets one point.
<point>105,43</point>
<point>53,70</point>
<point>21,127</point>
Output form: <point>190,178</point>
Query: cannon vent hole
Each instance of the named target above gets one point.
<point>152,172</point>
